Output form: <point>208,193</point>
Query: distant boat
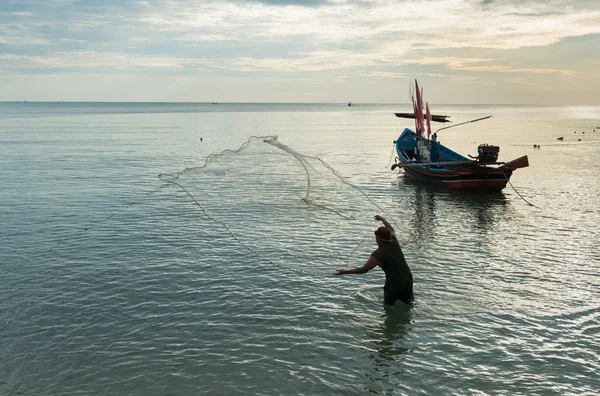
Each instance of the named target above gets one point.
<point>349,103</point>
<point>427,159</point>
<point>436,118</point>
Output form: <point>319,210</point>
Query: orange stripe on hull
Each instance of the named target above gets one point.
<point>474,184</point>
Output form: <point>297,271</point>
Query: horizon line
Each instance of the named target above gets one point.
<point>344,104</point>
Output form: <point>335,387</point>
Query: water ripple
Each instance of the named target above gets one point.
<point>114,283</point>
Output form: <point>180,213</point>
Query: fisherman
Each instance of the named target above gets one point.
<point>389,256</point>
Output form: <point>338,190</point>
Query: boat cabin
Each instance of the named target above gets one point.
<point>429,150</point>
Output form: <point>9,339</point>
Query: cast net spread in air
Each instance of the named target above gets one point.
<point>291,210</point>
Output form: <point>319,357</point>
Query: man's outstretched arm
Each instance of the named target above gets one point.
<point>371,263</point>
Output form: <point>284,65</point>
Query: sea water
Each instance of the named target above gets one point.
<point>169,249</point>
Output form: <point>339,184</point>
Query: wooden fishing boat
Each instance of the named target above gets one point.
<point>422,156</point>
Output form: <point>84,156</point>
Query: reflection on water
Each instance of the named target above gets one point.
<point>391,332</point>
<point>420,205</point>
<point>483,206</point>
<point>387,348</point>
<point>424,212</point>
<point>426,202</point>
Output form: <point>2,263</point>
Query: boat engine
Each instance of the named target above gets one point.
<point>487,153</point>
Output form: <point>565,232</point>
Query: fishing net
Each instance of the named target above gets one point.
<point>289,209</point>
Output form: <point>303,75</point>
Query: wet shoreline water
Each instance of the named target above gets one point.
<point>114,283</point>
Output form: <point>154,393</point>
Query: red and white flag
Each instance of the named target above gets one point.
<point>428,116</point>
<point>419,110</point>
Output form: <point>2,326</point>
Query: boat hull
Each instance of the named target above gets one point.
<point>447,167</point>
<point>483,179</point>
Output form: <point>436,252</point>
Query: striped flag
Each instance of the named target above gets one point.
<point>419,110</point>
<point>428,116</point>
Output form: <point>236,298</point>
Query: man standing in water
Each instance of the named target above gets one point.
<point>389,256</point>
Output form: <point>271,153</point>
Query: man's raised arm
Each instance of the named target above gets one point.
<point>385,223</point>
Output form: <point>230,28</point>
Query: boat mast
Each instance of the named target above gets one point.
<point>463,123</point>
<point>418,115</point>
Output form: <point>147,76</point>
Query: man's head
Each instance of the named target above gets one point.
<point>383,235</point>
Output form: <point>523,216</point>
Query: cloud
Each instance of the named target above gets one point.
<point>380,24</point>
<point>488,65</point>
<point>302,3</point>
<point>292,37</point>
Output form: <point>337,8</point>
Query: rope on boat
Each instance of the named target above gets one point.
<point>513,187</point>
<point>391,156</point>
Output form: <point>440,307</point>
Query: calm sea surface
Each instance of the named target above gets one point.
<point>169,249</point>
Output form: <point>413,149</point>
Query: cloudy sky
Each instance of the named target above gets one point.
<point>461,51</point>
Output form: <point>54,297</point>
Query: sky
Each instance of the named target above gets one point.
<point>316,51</point>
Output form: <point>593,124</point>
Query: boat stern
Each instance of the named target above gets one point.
<point>521,162</point>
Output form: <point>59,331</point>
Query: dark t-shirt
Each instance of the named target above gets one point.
<point>397,274</point>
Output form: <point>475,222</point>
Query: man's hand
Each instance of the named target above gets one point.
<point>385,223</point>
